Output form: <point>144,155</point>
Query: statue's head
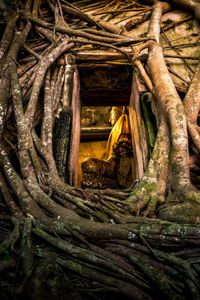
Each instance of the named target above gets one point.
<point>115,113</point>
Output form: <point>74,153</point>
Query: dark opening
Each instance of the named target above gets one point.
<point>104,90</point>
<point>105,85</point>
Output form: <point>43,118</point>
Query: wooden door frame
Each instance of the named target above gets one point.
<point>138,134</point>
<point>75,130</point>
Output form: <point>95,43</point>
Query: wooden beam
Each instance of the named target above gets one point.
<point>75,134</point>
<point>137,129</point>
<point>95,133</point>
<point>97,55</point>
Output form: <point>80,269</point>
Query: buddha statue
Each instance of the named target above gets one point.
<point>115,169</point>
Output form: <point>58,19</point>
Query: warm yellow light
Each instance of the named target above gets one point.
<point>120,129</point>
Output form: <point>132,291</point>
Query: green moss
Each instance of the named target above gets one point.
<point>73,266</point>
<point>147,186</point>
<point>190,26</point>
<point>179,117</point>
<point>182,213</point>
<point>177,171</point>
<point>180,108</point>
<point>59,225</point>
<point>149,120</point>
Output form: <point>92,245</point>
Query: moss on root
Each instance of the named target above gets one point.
<point>184,213</point>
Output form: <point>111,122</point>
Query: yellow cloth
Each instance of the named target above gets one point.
<point>120,128</point>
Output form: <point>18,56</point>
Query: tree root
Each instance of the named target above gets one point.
<point>152,188</point>
<point>11,240</point>
<point>182,206</point>
<point>186,212</point>
<point>27,248</point>
<point>144,196</point>
<point>158,278</point>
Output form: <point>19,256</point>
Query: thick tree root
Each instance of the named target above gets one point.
<point>186,212</point>
<point>151,189</point>
<point>143,269</point>
<point>144,197</point>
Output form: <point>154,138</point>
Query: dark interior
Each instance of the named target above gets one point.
<point>105,85</point>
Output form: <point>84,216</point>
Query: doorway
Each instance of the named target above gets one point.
<point>101,89</point>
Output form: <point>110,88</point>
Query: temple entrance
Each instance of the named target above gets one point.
<point>106,153</point>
